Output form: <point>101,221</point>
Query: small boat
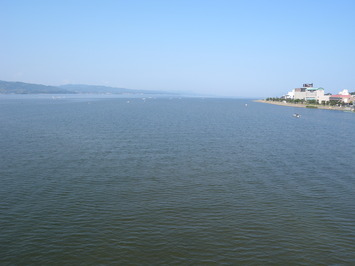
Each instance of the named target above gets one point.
<point>297,115</point>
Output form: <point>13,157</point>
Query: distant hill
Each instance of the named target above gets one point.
<point>7,87</point>
<point>81,88</point>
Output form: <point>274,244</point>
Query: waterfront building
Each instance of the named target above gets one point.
<point>308,92</point>
<point>290,95</point>
<point>343,98</point>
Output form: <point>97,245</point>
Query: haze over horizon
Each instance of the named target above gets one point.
<point>228,48</point>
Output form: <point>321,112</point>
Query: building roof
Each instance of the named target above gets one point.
<point>314,89</point>
<point>340,96</point>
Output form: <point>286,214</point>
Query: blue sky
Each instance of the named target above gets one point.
<point>230,48</point>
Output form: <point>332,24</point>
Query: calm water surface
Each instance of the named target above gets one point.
<point>174,181</point>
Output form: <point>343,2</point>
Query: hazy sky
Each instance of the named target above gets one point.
<point>234,48</point>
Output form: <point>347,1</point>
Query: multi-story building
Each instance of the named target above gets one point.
<point>308,92</point>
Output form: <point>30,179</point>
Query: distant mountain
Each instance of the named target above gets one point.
<point>7,87</point>
<point>81,88</point>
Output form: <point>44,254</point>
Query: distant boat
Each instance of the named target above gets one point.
<point>297,115</point>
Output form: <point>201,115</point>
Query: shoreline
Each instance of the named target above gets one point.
<point>302,105</point>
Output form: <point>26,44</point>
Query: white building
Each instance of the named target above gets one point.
<point>344,92</point>
<point>343,96</point>
<point>290,95</point>
<point>308,92</point>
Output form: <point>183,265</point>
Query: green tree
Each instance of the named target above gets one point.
<point>312,102</point>
<point>335,102</point>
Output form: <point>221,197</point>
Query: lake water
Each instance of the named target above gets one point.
<point>191,181</point>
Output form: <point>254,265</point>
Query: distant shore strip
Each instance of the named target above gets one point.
<point>302,105</point>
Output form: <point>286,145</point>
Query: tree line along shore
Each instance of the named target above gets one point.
<point>332,105</point>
